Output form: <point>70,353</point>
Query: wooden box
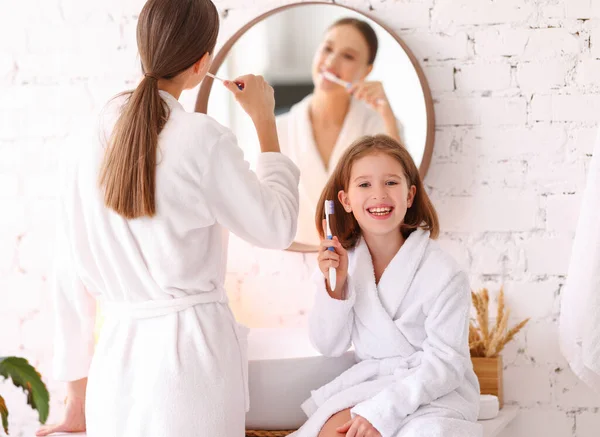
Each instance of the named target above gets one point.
<point>489,373</point>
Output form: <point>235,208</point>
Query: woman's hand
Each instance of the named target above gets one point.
<point>73,419</point>
<point>257,98</point>
<point>373,94</point>
<point>338,259</point>
<point>358,427</point>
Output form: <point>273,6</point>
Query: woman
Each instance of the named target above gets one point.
<point>142,228</point>
<point>317,130</point>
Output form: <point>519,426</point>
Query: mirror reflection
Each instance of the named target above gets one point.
<point>337,76</point>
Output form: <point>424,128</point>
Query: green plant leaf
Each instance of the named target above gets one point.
<point>4,414</point>
<point>25,376</point>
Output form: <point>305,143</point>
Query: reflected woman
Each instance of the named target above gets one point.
<point>318,129</point>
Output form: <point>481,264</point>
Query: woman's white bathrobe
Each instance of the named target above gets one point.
<point>297,141</point>
<point>413,375</point>
<point>170,360</point>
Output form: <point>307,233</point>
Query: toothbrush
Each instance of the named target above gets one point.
<point>239,85</point>
<point>333,78</point>
<point>329,209</point>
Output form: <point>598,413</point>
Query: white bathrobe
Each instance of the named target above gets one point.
<point>580,300</point>
<point>297,141</point>
<point>170,360</point>
<point>413,375</point>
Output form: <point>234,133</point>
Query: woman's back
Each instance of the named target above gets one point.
<point>202,182</point>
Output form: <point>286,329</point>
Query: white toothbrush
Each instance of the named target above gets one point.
<point>329,209</point>
<point>239,85</point>
<point>333,78</point>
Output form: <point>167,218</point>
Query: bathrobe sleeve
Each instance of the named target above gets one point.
<point>74,306</point>
<point>261,207</point>
<point>331,320</point>
<point>443,365</point>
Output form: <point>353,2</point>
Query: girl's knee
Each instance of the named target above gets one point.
<point>334,422</point>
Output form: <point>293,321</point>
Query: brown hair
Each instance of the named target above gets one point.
<point>172,35</point>
<point>421,213</point>
<point>365,30</point>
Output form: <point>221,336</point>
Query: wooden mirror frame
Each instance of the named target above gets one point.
<point>207,82</point>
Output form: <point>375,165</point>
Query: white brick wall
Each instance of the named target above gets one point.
<point>517,99</point>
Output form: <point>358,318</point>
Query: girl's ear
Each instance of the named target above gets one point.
<point>412,192</point>
<point>343,198</point>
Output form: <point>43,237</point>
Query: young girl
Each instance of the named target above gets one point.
<point>142,226</point>
<point>399,299</point>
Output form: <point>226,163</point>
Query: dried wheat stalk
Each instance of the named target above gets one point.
<point>484,342</point>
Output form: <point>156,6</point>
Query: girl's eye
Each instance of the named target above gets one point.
<point>349,57</point>
<point>327,49</point>
<point>364,185</point>
<point>391,183</point>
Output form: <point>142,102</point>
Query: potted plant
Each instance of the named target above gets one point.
<point>487,341</point>
<point>25,376</point>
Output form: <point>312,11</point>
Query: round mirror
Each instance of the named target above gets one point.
<point>338,75</point>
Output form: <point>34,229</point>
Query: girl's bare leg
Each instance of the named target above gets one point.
<point>335,421</point>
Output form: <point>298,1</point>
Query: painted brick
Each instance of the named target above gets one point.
<point>548,255</point>
<point>439,77</point>
<point>437,46</point>
<point>542,342</point>
<point>562,212</point>
<point>588,72</point>
<point>496,41</point>
<point>577,108</point>
<point>464,12</point>
<point>542,76</point>
<point>588,424</point>
<point>570,392</point>
<point>551,43</point>
<point>540,421</point>
<point>531,299</point>
<point>483,77</point>
<point>527,385</point>
<point>488,212</point>
<point>410,15</point>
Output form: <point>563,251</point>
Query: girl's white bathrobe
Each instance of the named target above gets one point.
<point>413,375</point>
<point>297,141</point>
<point>170,360</point>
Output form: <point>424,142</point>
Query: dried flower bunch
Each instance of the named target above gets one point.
<point>483,340</point>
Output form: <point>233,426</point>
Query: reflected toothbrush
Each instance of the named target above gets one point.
<point>333,78</point>
<point>329,209</point>
<point>239,85</point>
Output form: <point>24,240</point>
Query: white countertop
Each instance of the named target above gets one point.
<point>491,428</point>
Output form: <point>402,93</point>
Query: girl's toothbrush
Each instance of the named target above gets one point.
<point>329,209</point>
<point>333,78</point>
<point>239,85</point>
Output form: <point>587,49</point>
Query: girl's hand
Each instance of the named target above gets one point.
<point>257,98</point>
<point>338,259</point>
<point>73,420</point>
<point>373,94</point>
<point>358,427</point>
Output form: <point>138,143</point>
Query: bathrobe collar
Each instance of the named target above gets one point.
<point>398,275</point>
<point>170,100</point>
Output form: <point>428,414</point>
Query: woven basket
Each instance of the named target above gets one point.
<point>262,433</point>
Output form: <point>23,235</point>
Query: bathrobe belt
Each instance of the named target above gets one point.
<point>162,307</point>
